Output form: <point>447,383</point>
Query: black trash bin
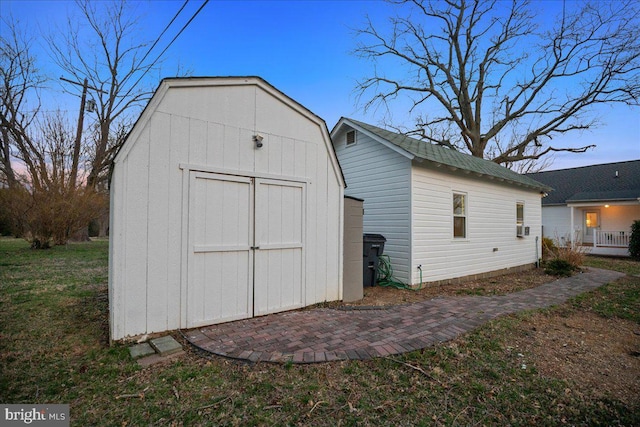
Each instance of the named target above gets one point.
<point>373,247</point>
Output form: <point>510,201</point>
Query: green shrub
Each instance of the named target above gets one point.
<point>634,241</point>
<point>559,267</point>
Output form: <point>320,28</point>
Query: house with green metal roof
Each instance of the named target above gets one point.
<point>445,215</point>
<point>593,206</point>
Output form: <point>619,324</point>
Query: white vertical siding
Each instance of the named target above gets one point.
<point>491,224</point>
<point>381,177</point>
<point>117,320</point>
<point>210,128</point>
<point>158,261</point>
<point>176,253</point>
<point>128,245</point>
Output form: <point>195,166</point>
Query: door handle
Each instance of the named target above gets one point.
<point>255,247</point>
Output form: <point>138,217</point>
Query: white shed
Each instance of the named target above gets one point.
<point>226,203</point>
<point>445,215</point>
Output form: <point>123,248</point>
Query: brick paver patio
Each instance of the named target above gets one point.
<point>328,334</point>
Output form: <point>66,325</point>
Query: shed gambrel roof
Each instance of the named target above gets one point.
<point>215,81</point>
<point>610,182</point>
<point>443,156</point>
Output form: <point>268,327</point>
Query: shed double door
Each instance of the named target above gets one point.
<point>246,247</point>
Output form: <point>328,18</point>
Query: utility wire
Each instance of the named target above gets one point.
<point>159,37</point>
<point>164,31</point>
<point>180,32</point>
<point>166,48</point>
<point>145,55</point>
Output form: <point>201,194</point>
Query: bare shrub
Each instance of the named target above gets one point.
<point>50,217</point>
<point>51,202</point>
<point>553,252</point>
<point>549,248</point>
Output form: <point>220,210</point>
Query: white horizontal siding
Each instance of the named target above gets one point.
<point>619,218</point>
<point>557,220</point>
<point>556,223</point>
<point>381,177</point>
<point>491,223</point>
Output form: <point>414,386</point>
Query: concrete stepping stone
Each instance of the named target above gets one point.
<point>166,345</point>
<point>141,350</point>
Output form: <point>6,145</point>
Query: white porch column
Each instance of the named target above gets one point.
<point>573,231</point>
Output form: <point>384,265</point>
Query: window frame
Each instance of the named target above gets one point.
<point>520,220</point>
<point>464,215</point>
<point>355,138</point>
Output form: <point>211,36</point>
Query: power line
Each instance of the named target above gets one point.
<point>183,28</point>
<point>166,48</point>
<point>80,84</point>
<point>158,39</point>
<point>164,31</point>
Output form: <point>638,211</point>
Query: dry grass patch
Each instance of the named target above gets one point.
<point>499,285</point>
<point>599,356</point>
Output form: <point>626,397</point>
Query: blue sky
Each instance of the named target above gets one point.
<point>304,49</point>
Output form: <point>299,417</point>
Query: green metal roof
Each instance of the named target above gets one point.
<point>451,158</point>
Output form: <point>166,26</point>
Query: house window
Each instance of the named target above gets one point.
<point>459,215</point>
<point>519,219</point>
<point>351,137</point>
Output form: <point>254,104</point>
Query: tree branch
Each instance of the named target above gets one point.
<point>482,71</point>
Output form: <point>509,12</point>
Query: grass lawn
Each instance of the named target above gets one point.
<point>54,349</point>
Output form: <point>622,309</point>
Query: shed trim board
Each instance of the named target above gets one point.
<point>206,225</point>
<point>201,168</point>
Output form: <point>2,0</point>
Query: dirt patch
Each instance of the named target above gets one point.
<point>600,356</point>
<point>500,285</point>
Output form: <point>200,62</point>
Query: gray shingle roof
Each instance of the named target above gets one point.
<point>454,159</point>
<point>598,183</point>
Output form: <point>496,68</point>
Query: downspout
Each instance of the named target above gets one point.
<point>537,254</point>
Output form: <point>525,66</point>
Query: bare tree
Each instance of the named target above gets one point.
<point>51,214</point>
<point>111,57</point>
<point>50,202</point>
<point>19,105</point>
<point>482,76</point>
<point>46,199</point>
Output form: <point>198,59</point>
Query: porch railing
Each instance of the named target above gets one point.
<point>615,239</point>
